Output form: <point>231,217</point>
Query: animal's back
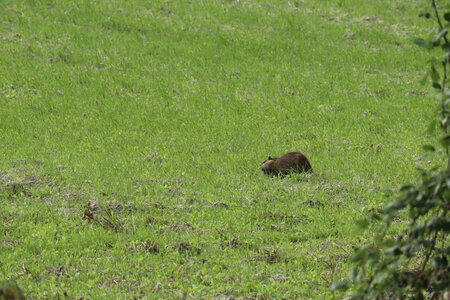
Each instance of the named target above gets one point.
<point>290,162</point>
<point>293,161</point>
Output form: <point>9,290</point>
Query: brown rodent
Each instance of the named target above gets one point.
<point>290,162</point>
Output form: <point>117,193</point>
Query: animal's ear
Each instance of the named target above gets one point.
<point>270,158</point>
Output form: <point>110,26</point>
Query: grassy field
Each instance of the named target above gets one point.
<point>154,117</point>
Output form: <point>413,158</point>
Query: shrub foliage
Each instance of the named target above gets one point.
<point>414,263</point>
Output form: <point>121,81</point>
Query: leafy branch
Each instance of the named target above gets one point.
<point>416,263</point>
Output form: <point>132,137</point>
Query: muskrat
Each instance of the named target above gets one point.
<point>289,163</point>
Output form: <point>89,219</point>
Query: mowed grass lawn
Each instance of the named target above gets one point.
<point>152,117</point>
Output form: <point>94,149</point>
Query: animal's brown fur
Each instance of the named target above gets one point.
<point>290,162</point>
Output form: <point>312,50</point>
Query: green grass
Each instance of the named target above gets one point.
<point>160,112</point>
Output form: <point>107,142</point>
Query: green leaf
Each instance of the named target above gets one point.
<point>446,47</point>
<point>429,148</point>
<point>363,223</point>
<point>373,257</point>
<point>439,223</point>
<point>424,78</point>
<point>421,42</point>
<point>434,44</point>
<point>437,188</point>
<point>380,277</point>
<point>446,56</point>
<point>395,205</point>
<point>407,188</point>
<point>447,102</point>
<point>376,217</point>
<point>434,74</point>
<point>407,249</point>
<point>360,255</point>
<point>445,141</point>
<point>438,262</point>
<point>424,243</point>
<point>442,33</point>
<point>434,61</point>
<point>424,15</point>
<point>387,243</point>
<point>431,127</point>
<point>393,251</point>
<point>437,86</point>
<point>444,96</point>
<point>447,16</point>
<point>353,274</point>
<point>10,290</point>
<point>445,121</point>
<point>417,230</point>
<point>339,286</point>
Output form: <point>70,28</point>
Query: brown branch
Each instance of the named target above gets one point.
<point>433,243</point>
<point>433,4</point>
<point>444,79</point>
<point>444,65</point>
<point>400,237</point>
